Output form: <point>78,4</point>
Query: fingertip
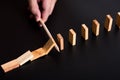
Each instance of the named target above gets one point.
<point>44,20</point>
<point>37,19</point>
<point>45,17</point>
<point>37,16</point>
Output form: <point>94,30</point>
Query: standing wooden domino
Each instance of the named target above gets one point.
<point>84,32</point>
<point>72,37</point>
<point>60,41</point>
<point>95,27</point>
<point>108,22</point>
<point>118,20</point>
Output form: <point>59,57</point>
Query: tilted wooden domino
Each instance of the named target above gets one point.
<point>43,51</point>
<point>72,37</point>
<point>48,46</point>
<point>10,65</point>
<point>38,53</point>
<point>118,20</point>
<point>95,27</point>
<point>84,32</point>
<point>24,58</point>
<point>60,41</point>
<point>108,22</point>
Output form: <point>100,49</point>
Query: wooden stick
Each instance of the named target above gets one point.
<point>49,34</point>
<point>118,20</point>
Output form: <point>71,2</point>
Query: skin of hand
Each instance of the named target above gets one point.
<point>42,11</point>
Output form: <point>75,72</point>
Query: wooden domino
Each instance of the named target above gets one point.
<point>108,22</point>
<point>24,58</point>
<point>43,51</point>
<point>95,27</point>
<point>84,32</point>
<point>118,20</point>
<point>72,37</point>
<point>38,53</point>
<point>10,65</point>
<point>60,41</point>
<point>48,46</point>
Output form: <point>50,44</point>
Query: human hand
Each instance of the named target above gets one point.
<point>42,11</point>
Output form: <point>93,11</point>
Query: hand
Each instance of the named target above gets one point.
<point>42,11</point>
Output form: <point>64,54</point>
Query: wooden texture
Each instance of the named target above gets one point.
<point>38,53</point>
<point>43,51</point>
<point>10,65</point>
<point>48,46</point>
<point>84,32</point>
<point>95,27</point>
<point>60,41</point>
<point>72,37</point>
<point>118,20</point>
<point>24,58</point>
<point>49,34</point>
<point>108,22</point>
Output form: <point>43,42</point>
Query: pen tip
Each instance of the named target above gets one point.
<point>58,49</point>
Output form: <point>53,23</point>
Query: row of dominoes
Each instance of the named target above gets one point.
<point>17,62</point>
<point>85,30</point>
<point>28,56</point>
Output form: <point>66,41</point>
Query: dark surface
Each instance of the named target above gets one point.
<point>98,58</point>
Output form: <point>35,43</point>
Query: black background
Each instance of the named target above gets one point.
<point>98,58</point>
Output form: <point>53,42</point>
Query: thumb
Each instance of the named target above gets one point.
<point>34,8</point>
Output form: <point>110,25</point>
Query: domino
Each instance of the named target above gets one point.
<point>10,65</point>
<point>95,27</point>
<point>72,37</point>
<point>43,51</point>
<point>118,20</point>
<point>60,41</point>
<point>24,58</point>
<point>84,32</point>
<point>37,53</point>
<point>108,22</point>
<point>48,46</point>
